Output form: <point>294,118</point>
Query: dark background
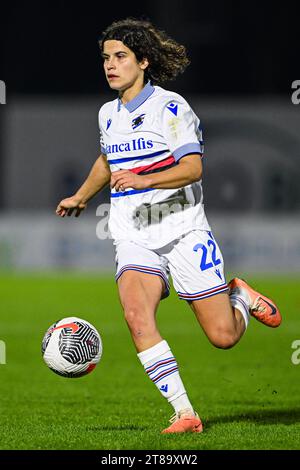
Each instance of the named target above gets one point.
<point>235,47</point>
<point>244,59</point>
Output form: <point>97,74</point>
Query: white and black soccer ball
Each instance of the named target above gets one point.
<point>72,347</point>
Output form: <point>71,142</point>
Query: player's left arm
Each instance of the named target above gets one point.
<point>187,171</point>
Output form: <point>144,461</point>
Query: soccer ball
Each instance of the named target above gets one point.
<point>72,347</point>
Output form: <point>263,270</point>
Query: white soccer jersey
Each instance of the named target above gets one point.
<point>152,133</point>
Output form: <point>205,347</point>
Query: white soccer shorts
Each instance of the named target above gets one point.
<point>194,262</point>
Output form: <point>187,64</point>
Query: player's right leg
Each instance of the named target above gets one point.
<point>140,295</point>
<point>142,283</point>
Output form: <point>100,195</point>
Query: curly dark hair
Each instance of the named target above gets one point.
<point>166,57</point>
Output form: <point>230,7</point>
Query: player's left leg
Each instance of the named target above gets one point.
<point>261,307</point>
<point>223,311</point>
<point>224,317</point>
<point>222,323</point>
<point>197,268</point>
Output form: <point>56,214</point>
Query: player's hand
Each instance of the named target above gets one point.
<point>123,179</point>
<point>70,204</point>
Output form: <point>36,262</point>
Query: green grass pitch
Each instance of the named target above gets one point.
<point>247,397</point>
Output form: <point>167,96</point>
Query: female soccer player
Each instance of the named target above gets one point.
<point>151,154</point>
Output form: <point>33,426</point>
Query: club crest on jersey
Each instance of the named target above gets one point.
<point>137,121</point>
<point>108,123</point>
<point>173,108</point>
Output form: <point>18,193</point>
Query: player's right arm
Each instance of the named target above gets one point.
<point>97,179</point>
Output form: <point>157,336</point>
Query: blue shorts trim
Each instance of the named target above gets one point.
<point>147,270</point>
<point>204,294</point>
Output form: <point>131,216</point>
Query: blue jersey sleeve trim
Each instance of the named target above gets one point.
<point>187,149</point>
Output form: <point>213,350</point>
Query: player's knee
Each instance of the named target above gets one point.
<point>137,320</point>
<point>223,339</point>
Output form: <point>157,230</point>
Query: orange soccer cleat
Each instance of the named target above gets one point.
<point>184,422</point>
<point>260,306</point>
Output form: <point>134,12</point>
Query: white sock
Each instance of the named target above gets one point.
<point>161,367</point>
<point>239,299</point>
